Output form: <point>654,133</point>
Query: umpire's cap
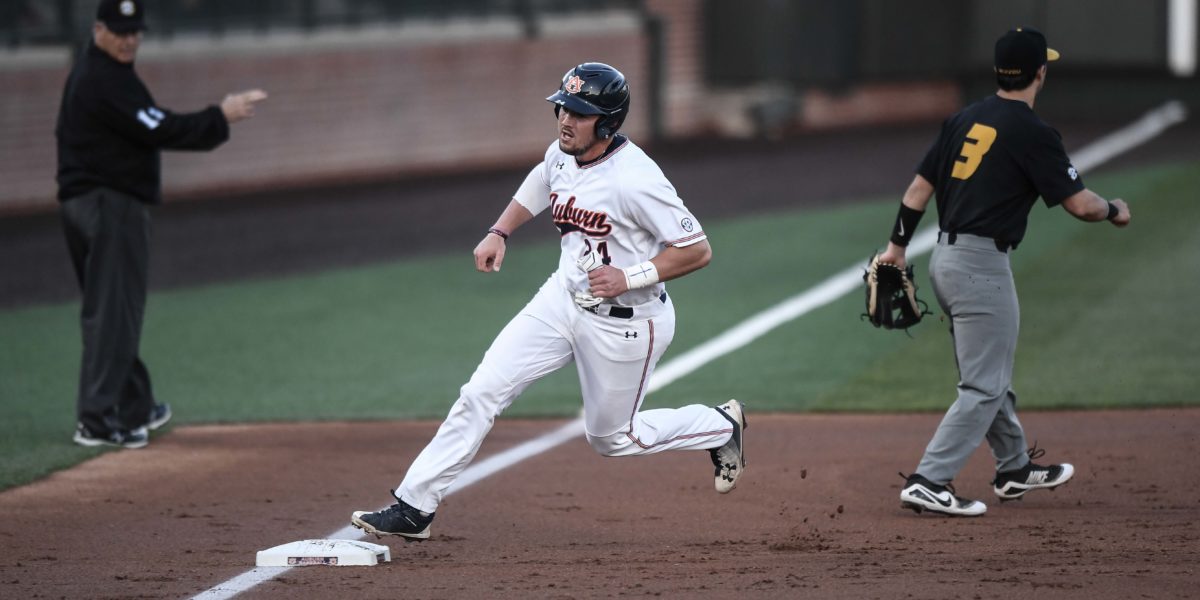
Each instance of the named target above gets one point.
<point>595,89</point>
<point>122,16</point>
<point>1022,51</point>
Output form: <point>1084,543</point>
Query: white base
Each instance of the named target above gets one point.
<point>340,553</point>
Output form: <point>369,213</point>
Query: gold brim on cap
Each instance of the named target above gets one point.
<point>1051,54</point>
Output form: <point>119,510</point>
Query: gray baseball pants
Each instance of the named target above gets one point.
<point>973,283</point>
<point>108,236</point>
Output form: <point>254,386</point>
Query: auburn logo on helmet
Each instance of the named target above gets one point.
<point>573,85</point>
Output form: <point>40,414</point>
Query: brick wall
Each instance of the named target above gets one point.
<point>382,102</point>
<point>29,97</point>
<point>357,104</point>
<point>684,111</point>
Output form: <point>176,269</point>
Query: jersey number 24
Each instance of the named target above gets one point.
<point>979,141</point>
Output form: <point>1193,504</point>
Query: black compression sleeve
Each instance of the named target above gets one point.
<point>906,224</point>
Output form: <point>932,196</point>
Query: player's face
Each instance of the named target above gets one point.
<point>577,135</point>
<point>122,47</point>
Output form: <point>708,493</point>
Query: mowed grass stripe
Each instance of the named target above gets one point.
<point>1104,322</point>
<point>397,340</point>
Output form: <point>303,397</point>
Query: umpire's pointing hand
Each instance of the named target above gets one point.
<point>241,105</point>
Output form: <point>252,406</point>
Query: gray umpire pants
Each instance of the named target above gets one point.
<point>108,236</point>
<point>974,285</point>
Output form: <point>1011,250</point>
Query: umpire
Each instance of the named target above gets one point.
<point>110,132</point>
<point>988,166</point>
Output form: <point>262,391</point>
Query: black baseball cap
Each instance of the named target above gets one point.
<point>121,16</point>
<point>1022,50</point>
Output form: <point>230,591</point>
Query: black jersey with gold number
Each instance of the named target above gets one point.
<point>989,165</point>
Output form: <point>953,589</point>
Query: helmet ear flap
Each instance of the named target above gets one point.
<point>604,127</point>
<point>608,125</point>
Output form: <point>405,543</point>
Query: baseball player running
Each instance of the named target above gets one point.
<point>988,166</point>
<point>624,232</point>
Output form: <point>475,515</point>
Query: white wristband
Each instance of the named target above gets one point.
<point>641,275</point>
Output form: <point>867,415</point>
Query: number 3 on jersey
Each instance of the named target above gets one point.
<point>979,141</point>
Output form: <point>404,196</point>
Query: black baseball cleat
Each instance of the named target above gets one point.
<point>134,438</point>
<point>159,415</point>
<point>398,519</point>
<point>921,494</point>
<point>1012,485</point>
<point>729,460</point>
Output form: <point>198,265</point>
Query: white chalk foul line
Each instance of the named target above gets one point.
<point>1135,134</point>
<point>1089,157</point>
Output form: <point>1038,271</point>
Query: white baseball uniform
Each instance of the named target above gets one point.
<point>622,207</point>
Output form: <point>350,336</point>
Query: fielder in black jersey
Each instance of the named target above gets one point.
<point>989,165</point>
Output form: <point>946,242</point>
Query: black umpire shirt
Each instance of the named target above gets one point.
<point>989,165</point>
<point>110,131</point>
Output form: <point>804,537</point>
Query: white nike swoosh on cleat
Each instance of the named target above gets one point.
<point>946,499</point>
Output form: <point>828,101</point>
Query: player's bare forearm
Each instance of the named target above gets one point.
<point>514,216</point>
<point>918,193</point>
<point>489,253</point>
<point>1087,205</point>
<point>674,262</point>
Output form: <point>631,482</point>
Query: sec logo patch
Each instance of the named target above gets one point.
<point>686,224</point>
<point>1072,173</point>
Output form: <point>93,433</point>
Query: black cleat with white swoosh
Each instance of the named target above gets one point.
<point>920,494</point>
<point>1014,484</point>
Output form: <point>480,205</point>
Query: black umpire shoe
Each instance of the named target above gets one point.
<point>136,438</point>
<point>921,494</point>
<point>1011,485</point>
<point>159,415</point>
<point>398,519</point>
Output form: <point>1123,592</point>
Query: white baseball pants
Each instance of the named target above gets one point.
<point>615,358</point>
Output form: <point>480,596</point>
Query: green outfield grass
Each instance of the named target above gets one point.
<point>1104,318</point>
<point>1104,323</point>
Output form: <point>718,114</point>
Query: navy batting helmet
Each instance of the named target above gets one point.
<point>595,89</point>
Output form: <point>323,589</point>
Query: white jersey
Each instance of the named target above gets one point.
<point>621,206</point>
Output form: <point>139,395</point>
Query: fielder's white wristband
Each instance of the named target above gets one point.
<point>641,275</point>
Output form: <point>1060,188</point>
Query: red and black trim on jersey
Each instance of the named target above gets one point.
<point>619,141</point>
<point>687,240</point>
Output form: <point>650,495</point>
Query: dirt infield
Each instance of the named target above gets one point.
<point>816,515</point>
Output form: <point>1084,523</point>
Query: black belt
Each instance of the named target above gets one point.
<point>622,312</point>
<point>1001,245</point>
